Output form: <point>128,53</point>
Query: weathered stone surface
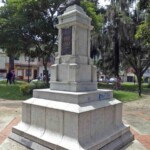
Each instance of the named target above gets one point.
<point>74,71</point>
<point>57,124</point>
<point>73,114</point>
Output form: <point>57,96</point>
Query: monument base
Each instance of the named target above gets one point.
<point>116,144</point>
<point>86,124</point>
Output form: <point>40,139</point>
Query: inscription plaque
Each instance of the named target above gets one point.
<point>66,45</point>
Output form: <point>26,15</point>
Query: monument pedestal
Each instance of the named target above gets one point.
<point>72,120</point>
<point>73,114</point>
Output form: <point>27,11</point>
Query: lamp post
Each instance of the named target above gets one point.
<point>29,69</point>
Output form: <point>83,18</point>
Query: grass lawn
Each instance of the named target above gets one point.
<point>12,91</point>
<point>128,92</point>
<point>125,96</point>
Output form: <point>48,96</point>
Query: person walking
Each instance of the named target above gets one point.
<point>9,77</point>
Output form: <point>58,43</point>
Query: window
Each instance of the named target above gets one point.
<point>20,73</point>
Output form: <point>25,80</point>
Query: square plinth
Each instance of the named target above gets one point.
<point>62,125</point>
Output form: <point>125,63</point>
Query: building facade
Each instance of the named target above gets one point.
<point>3,60</point>
<point>25,68</point>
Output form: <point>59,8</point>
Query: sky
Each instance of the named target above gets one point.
<point>1,4</point>
<point>104,2</point>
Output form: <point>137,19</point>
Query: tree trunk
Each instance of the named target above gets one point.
<point>116,58</point>
<point>139,77</point>
<point>116,51</point>
<point>11,63</point>
<point>46,72</point>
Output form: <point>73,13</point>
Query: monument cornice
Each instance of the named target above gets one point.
<point>74,23</point>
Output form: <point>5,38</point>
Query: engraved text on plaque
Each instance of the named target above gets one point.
<point>66,45</point>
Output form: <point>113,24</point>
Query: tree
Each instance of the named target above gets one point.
<point>91,8</point>
<point>33,24</point>
<point>116,16</point>
<point>119,39</point>
<point>135,48</point>
<point>9,33</point>
<point>40,25</point>
<point>34,21</point>
<point>143,30</point>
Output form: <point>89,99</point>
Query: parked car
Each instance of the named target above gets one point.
<point>100,79</point>
<point>112,80</point>
<point>34,80</point>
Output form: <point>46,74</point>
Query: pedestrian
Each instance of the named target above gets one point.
<point>9,77</point>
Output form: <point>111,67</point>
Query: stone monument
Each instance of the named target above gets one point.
<point>73,114</point>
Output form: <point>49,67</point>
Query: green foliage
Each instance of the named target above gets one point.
<point>31,24</point>
<point>144,4</point>
<point>148,83</point>
<point>12,92</point>
<point>90,9</point>
<point>9,25</point>
<point>105,85</point>
<point>3,82</point>
<point>125,94</point>
<point>129,87</point>
<point>20,90</point>
<point>143,33</point>
<point>117,43</point>
<point>124,86</point>
<point>27,89</point>
<point>17,82</point>
<point>40,84</point>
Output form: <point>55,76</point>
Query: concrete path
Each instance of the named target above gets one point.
<point>136,114</point>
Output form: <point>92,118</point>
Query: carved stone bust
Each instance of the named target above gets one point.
<point>69,3</point>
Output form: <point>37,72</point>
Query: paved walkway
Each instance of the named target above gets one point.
<point>136,114</point>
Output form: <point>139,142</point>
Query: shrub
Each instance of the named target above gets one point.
<point>129,87</point>
<point>105,85</point>
<point>148,83</point>
<point>40,85</point>
<point>124,86</point>
<point>16,82</point>
<point>28,88</point>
